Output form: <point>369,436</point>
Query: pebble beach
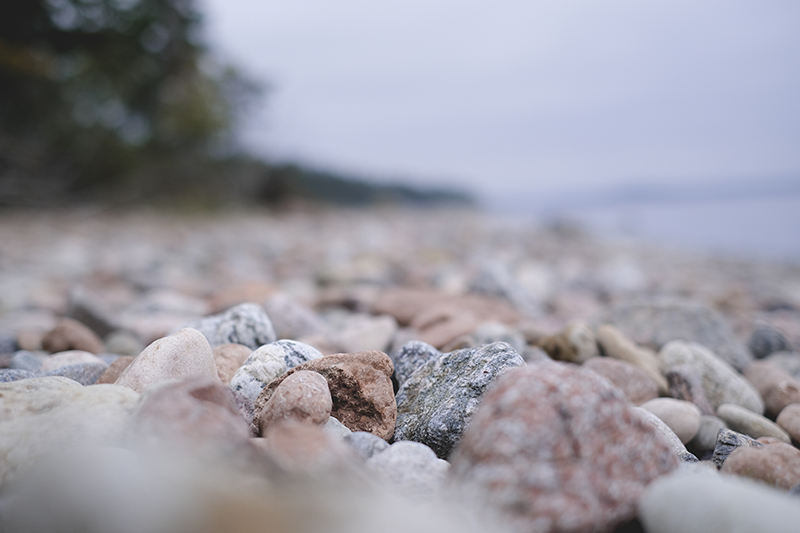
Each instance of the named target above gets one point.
<point>389,369</point>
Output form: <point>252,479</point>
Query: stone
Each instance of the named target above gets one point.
<point>303,397</point>
<point>8,342</point>
<point>656,323</point>
<point>361,333</point>
<point>669,436</point>
<point>182,354</point>
<point>411,356</point>
<point>267,363</point>
<point>251,291</point>
<point>727,441</point>
<point>305,448</point>
<point>684,383</point>
<point>410,467</point>
<point>228,358</point>
<point>436,403</point>
<point>87,308</point>
<point>336,428</point>
<point>766,339</point>
<point>7,375</point>
<point>71,357</point>
<point>682,417</point>
<point>778,388</point>
<point>245,323</point>
<point>617,346</point>
<point>25,360</point>
<point>292,320</point>
<point>789,362</point>
<point>706,438</point>
<point>789,421</point>
<point>361,388</point>
<point>701,503</point>
<point>721,382</point>
<point>83,373</point>
<point>745,421</point>
<point>534,354</point>
<point>575,344</point>
<point>557,448</point>
<point>366,444</point>
<point>42,415</point>
<point>70,334</point>
<point>490,332</point>
<point>114,370</point>
<point>124,342</point>
<point>630,379</point>
<point>775,464</point>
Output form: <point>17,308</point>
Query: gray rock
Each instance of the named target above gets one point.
<point>534,354</point>
<point>246,324</point>
<point>7,375</point>
<point>411,467</point>
<point>25,360</point>
<point>789,362</point>
<point>685,384</point>
<point>766,340</point>
<point>336,428</point>
<point>490,332</point>
<point>366,444</point>
<point>436,403</point>
<point>123,342</point>
<point>706,438</point>
<point>495,280</point>
<point>410,357</point>
<point>753,425</point>
<point>727,441</point>
<point>8,342</point>
<point>678,448</point>
<point>655,323</point>
<point>292,320</point>
<point>83,373</point>
<point>88,309</point>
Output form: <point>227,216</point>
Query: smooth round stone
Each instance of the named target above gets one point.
<point>777,387</point>
<point>302,397</point>
<point>228,358</point>
<point>617,346</point>
<point>366,444</point>
<point>124,342</point>
<point>72,357</point>
<point>766,339</point>
<point>789,420</point>
<point>682,417</point>
<point>706,437</point>
<point>630,379</point>
<point>575,344</point>
<point>775,464</point>
<point>412,467</point>
<point>745,421</point>
<point>669,436</point>
<point>116,368</point>
<point>336,428</point>
<point>245,323</point>
<point>69,334</point>
<point>25,360</point>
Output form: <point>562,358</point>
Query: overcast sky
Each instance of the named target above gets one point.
<point>522,95</point>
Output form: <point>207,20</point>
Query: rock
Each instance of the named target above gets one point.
<point>706,438</point>
<point>655,323</point>
<point>745,421</point>
<point>246,324</point>
<point>789,362</point>
<point>490,332</point>
<point>789,421</point>
<point>727,441</point>
<point>336,428</point>
<point>116,368</point>
<point>495,280</point>
<point>7,375</point>
<point>8,342</point>
<point>630,379</point>
<point>252,291</point>
<point>701,503</point>
<point>71,357</point>
<point>667,434</point>
<point>292,320</point>
<point>534,354</point>
<point>721,383</point>
<point>366,444</point>
<point>124,342</point>
<point>557,448</point>
<point>411,356</point>
<point>361,333</point>
<point>360,386</point>
<point>182,354</point>
<point>267,363</point>
<point>575,344</point>
<point>305,448</point>
<point>48,414</point>
<point>228,358</point>
<point>410,467</point>
<point>70,334</point>
<point>25,360</point>
<point>83,373</point>
<point>435,404</point>
<point>87,308</point>
<point>776,464</point>
<point>618,346</point>
<point>766,339</point>
<point>682,417</point>
<point>684,383</point>
<point>778,388</point>
<point>303,397</point>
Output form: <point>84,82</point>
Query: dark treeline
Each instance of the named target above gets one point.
<point>120,100</point>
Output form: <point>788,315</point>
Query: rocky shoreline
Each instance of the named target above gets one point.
<point>345,370</point>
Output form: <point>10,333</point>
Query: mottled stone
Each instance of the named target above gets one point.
<point>766,339</point>
<point>293,320</point>
<point>303,397</point>
<point>630,379</point>
<point>436,403</point>
<point>411,356</point>
<point>361,333</point>
<point>116,368</point>
<point>655,323</point>
<point>182,354</point>
<point>745,421</point>
<point>25,360</point>
<point>685,384</point>
<point>776,464</point>
<point>366,444</point>
<point>682,417</point>
<point>228,358</point>
<point>336,428</point>
<point>245,323</point>
<point>706,438</point>
<point>789,421</point>
<point>361,388</point>
<point>721,382</point>
<point>410,467</point>
<point>616,345</point>
<point>70,334</point>
<point>267,363</point>
<point>727,441</point>
<point>778,388</point>
<point>83,373</point>
<point>72,357</point>
<point>669,436</point>
<point>557,448</point>
<point>7,375</point>
<point>574,344</point>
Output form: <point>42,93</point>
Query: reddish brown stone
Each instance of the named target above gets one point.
<point>228,358</point>
<point>70,334</point>
<point>775,464</point>
<point>361,388</point>
<point>630,379</point>
<point>557,448</point>
<point>115,369</point>
<point>789,419</point>
<point>304,397</point>
<point>778,388</point>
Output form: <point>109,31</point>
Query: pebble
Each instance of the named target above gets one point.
<point>778,388</point>
<point>124,342</point>
<point>88,308</point>
<point>8,342</point>
<point>706,438</point>
<point>682,417</point>
<point>745,421</point>
<point>182,354</point>
<point>366,444</point>
<point>111,374</point>
<point>789,420</point>
<point>789,362</point>
<point>229,358</point>
<point>25,360</point>
<point>557,448</point>
<point>292,320</point>
<point>69,334</point>
<point>766,339</point>
<point>361,388</point>
<point>630,379</point>
<point>685,384</point>
<point>303,397</point>
<point>245,323</point>
<point>729,440</point>
<point>669,436</point>
<point>410,467</point>
<point>71,357</point>
<point>305,448</point>
<point>7,375</point>
<point>361,333</point>
<point>575,344</point>
<point>617,346</point>
<point>83,373</point>
<point>436,403</point>
<point>490,332</point>
<point>721,382</point>
<point>775,464</point>
<point>411,356</point>
<point>336,428</point>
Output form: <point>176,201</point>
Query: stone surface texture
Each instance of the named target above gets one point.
<point>767,339</point>
<point>366,444</point>
<point>682,417</point>
<point>634,382</point>
<point>789,420</point>
<point>775,464</point>
<point>685,384</point>
<point>411,356</point>
<point>616,345</point>
<point>70,334</point>
<point>303,397</point>
<point>778,388</point>
<point>728,441</point>
<point>575,344</point>
<point>116,368</point>
<point>745,421</point>
<point>410,467</point>
<point>228,358</point>
<point>246,324</point>
<point>72,357</point>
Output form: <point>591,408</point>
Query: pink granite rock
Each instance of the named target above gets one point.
<point>630,379</point>
<point>228,358</point>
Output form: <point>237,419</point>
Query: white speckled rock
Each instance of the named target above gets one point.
<point>246,324</point>
<point>71,357</point>
<point>182,354</point>
<point>682,417</point>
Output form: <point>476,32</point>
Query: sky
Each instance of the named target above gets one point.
<point>514,97</point>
